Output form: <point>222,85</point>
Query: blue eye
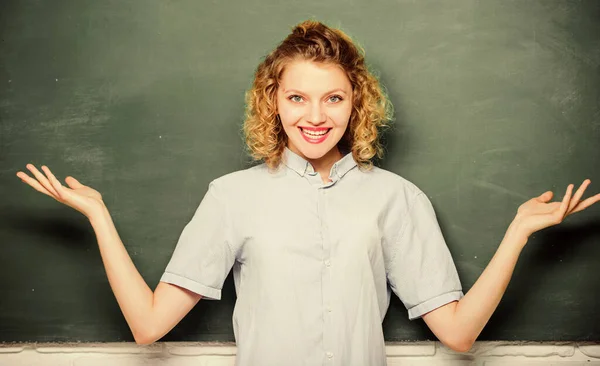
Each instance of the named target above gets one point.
<point>295,98</point>
<point>335,98</point>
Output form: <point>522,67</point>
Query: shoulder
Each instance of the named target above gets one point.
<point>241,181</point>
<point>390,182</point>
<point>240,176</point>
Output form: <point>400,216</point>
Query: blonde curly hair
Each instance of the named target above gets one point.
<point>314,41</point>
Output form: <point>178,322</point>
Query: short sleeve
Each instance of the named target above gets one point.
<point>203,256</point>
<point>421,271</point>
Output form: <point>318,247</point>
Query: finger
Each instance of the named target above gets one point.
<point>545,197</point>
<point>564,205</point>
<point>586,203</point>
<point>34,184</point>
<point>577,196</point>
<point>73,183</point>
<point>42,179</point>
<point>55,183</point>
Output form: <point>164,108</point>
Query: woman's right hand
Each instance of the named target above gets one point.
<point>84,199</point>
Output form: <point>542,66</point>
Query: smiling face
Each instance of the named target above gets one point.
<point>314,102</point>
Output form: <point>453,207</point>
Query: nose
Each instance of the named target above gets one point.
<point>316,114</point>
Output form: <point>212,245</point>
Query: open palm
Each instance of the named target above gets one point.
<point>539,213</point>
<point>78,196</point>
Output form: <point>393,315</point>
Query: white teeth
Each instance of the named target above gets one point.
<point>314,133</point>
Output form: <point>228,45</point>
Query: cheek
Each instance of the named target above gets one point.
<point>290,115</point>
<point>340,116</point>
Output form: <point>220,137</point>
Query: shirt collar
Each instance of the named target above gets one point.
<point>295,162</point>
<point>302,167</point>
<point>342,166</point>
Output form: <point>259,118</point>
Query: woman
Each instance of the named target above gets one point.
<point>314,234</point>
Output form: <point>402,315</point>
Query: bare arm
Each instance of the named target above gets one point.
<point>150,315</point>
<point>459,323</point>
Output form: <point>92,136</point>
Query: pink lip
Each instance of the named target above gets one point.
<point>316,129</point>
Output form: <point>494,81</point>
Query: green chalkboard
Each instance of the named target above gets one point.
<point>496,102</point>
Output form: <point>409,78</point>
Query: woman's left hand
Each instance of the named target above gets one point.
<point>539,213</point>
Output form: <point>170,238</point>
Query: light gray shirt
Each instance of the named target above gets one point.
<point>314,264</point>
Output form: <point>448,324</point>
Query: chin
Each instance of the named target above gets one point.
<point>313,155</point>
<point>315,152</point>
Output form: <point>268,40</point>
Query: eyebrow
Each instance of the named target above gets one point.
<point>329,92</point>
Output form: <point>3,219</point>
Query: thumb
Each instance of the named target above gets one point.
<point>73,183</point>
<point>545,197</point>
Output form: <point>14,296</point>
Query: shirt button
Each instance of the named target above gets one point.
<point>328,263</point>
<point>329,309</point>
<point>329,354</point>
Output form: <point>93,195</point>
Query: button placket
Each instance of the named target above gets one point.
<point>328,341</point>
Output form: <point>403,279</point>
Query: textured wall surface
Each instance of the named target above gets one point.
<point>205,354</point>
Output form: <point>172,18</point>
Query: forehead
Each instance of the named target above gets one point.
<point>313,76</point>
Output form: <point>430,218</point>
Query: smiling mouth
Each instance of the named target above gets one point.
<point>314,133</point>
<point>315,136</point>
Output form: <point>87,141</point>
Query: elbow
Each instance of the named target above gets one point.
<point>462,347</point>
<point>459,344</point>
<point>143,341</point>
<point>144,337</point>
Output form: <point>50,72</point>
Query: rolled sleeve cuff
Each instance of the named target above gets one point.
<point>423,308</point>
<point>208,293</point>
